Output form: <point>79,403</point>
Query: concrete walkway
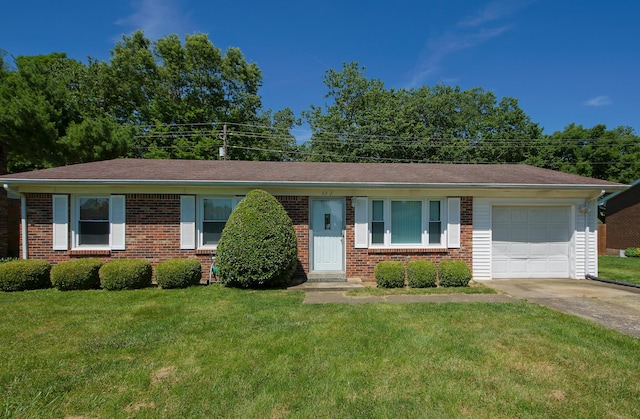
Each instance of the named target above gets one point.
<point>614,306</point>
<point>340,297</point>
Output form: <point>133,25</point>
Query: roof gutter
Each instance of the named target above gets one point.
<point>23,219</point>
<point>257,183</point>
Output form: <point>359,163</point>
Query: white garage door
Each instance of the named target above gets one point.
<point>531,242</point>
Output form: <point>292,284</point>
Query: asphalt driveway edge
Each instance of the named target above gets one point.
<point>611,281</point>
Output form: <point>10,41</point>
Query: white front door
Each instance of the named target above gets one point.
<point>327,230</point>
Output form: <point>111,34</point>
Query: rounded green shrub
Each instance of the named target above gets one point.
<point>24,274</point>
<point>454,273</point>
<point>632,252</point>
<point>258,247</point>
<point>389,274</point>
<point>79,274</point>
<point>421,274</point>
<point>178,273</point>
<point>123,274</point>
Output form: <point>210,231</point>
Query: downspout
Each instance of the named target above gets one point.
<point>586,209</point>
<point>23,219</point>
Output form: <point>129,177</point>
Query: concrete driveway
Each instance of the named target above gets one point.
<point>614,306</point>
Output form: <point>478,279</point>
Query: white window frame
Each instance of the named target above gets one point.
<point>201,221</point>
<point>75,223</point>
<point>424,233</point>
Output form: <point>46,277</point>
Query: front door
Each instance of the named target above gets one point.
<point>327,230</point>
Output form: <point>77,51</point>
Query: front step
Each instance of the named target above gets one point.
<point>343,285</point>
<point>326,277</point>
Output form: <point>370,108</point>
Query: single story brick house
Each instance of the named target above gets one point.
<point>505,221</point>
<point>622,215</point>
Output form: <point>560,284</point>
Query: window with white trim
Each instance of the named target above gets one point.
<point>214,213</point>
<point>97,222</point>
<point>406,223</point>
<point>93,221</point>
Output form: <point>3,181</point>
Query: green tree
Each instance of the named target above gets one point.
<point>182,94</point>
<point>364,121</point>
<point>596,152</point>
<point>41,99</point>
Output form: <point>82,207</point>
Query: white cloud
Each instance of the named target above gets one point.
<point>157,18</point>
<point>599,101</point>
<point>468,32</point>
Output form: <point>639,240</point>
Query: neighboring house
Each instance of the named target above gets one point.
<point>622,216</point>
<point>506,221</point>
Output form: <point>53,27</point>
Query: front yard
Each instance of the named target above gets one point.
<point>619,269</point>
<point>219,352</point>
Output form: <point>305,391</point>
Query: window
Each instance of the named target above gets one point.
<point>435,222</point>
<point>377,222</point>
<point>98,222</point>
<point>406,223</point>
<point>93,221</point>
<point>214,215</point>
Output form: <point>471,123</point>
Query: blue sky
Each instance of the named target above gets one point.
<point>564,60</point>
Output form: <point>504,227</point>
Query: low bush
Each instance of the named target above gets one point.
<point>123,274</point>
<point>178,273</point>
<point>454,273</point>
<point>421,274</point>
<point>389,274</point>
<point>632,252</point>
<point>79,274</point>
<point>25,274</point>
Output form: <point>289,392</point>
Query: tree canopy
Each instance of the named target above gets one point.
<point>174,98</point>
<point>365,121</point>
<point>162,99</point>
<point>362,120</point>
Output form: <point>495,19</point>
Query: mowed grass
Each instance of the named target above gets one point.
<point>619,269</point>
<point>474,288</point>
<point>218,352</point>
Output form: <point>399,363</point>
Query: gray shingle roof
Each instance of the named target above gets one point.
<point>134,171</point>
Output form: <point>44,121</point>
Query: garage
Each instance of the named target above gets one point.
<point>531,242</point>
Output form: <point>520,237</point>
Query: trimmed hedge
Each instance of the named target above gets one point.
<point>122,274</point>
<point>25,274</point>
<point>454,273</point>
<point>178,273</point>
<point>258,247</point>
<point>389,274</point>
<point>421,274</point>
<point>79,274</point>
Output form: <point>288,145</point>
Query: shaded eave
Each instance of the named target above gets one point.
<point>11,183</point>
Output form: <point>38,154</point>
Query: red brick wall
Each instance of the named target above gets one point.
<point>298,209</point>
<point>153,233</point>
<point>363,261</point>
<point>623,219</point>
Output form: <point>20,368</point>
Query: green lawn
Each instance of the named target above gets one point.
<point>218,352</point>
<point>619,269</point>
<point>476,288</point>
